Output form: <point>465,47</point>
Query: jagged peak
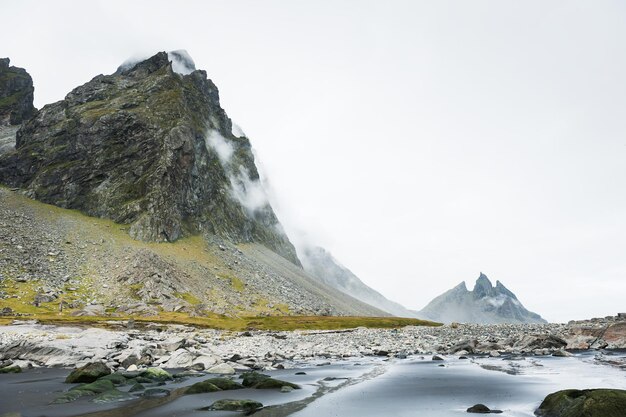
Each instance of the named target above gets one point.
<point>460,286</point>
<point>5,62</point>
<point>483,286</point>
<point>135,66</point>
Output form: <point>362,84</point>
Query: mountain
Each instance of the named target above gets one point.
<point>132,195</point>
<point>150,148</point>
<point>16,94</point>
<point>485,304</point>
<point>322,265</point>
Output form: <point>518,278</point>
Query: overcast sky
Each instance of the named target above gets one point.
<point>419,142</point>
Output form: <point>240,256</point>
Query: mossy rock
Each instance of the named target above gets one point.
<point>225,384</point>
<point>156,374</point>
<point>88,373</point>
<point>11,370</point>
<point>234,405</point>
<point>201,387</point>
<point>251,378</point>
<point>137,387</point>
<point>262,381</point>
<point>71,395</point>
<point>156,393</point>
<point>271,383</point>
<point>97,387</point>
<point>112,396</point>
<point>584,403</point>
<point>116,379</point>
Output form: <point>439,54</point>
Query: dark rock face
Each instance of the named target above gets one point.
<point>485,304</point>
<point>584,403</point>
<point>16,94</point>
<point>149,147</point>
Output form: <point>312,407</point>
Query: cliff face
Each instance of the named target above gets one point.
<point>485,304</point>
<point>16,94</point>
<point>150,147</point>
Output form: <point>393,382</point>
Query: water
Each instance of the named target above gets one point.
<point>354,388</point>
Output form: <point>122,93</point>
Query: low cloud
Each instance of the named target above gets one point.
<point>247,191</point>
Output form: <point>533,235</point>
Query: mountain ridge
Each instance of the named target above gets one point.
<point>485,304</point>
<point>320,264</point>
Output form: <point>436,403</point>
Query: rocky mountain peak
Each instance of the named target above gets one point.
<point>485,304</point>
<point>483,287</point>
<point>148,147</point>
<point>16,94</point>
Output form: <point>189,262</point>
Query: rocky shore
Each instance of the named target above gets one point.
<point>29,344</point>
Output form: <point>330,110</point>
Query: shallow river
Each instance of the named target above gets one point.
<point>355,388</point>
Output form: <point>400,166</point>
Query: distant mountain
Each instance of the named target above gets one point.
<point>320,264</point>
<point>485,304</point>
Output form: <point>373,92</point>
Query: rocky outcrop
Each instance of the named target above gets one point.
<point>321,265</point>
<point>485,304</point>
<point>16,94</point>
<point>148,147</point>
<point>584,403</point>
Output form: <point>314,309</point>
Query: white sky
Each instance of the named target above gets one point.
<point>420,142</point>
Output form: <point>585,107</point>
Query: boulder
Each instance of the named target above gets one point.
<point>88,373</point>
<point>234,405</point>
<point>202,387</point>
<point>261,381</point>
<point>584,403</point>
<point>113,396</point>
<point>482,409</point>
<point>222,368</point>
<point>156,374</point>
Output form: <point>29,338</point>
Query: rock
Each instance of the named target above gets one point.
<point>203,362</point>
<point>562,353</point>
<point>202,387</point>
<point>235,405</point>
<point>156,374</point>
<point>286,388</point>
<point>494,353</point>
<point>173,344</point>
<point>130,360</point>
<point>137,387</point>
<point>437,358</point>
<point>222,368</point>
<point>16,94</point>
<point>262,381</point>
<point>97,387</point>
<point>132,368</point>
<point>112,396</point>
<point>70,396</point>
<point>10,370</point>
<point>181,358</point>
<point>584,403</point>
<point>116,379</point>
<point>43,298</point>
<point>156,393</point>
<point>482,409</point>
<point>300,373</point>
<point>88,373</point>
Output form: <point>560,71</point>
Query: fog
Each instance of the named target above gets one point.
<point>419,142</point>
